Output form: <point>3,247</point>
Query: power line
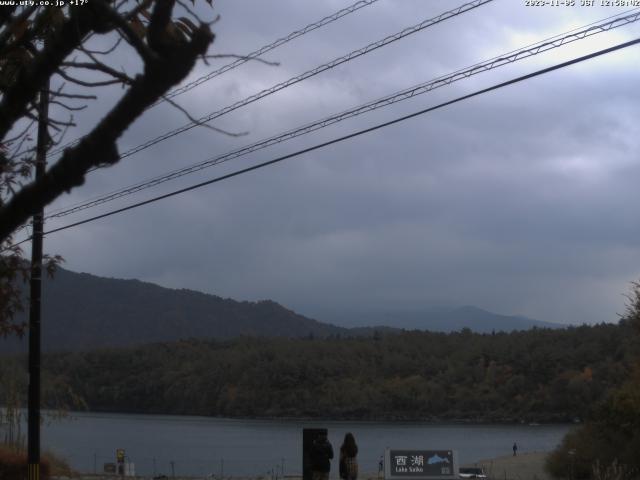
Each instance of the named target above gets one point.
<point>251,56</point>
<point>308,74</point>
<point>351,135</point>
<point>505,59</point>
<point>262,50</point>
<point>311,73</point>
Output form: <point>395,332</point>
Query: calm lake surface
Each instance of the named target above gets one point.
<point>203,446</point>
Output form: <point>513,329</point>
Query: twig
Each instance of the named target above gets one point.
<point>13,139</point>
<point>137,10</point>
<point>203,124</point>
<point>57,142</point>
<point>23,152</point>
<point>189,11</point>
<point>68,77</point>
<point>104,52</point>
<point>130,36</point>
<point>14,154</point>
<point>100,67</point>
<point>53,122</point>
<point>73,95</point>
<point>68,107</point>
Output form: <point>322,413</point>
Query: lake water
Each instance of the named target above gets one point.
<point>202,446</point>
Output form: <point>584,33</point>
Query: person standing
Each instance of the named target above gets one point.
<point>515,449</point>
<point>321,455</point>
<point>348,461</point>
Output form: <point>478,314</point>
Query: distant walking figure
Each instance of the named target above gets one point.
<point>348,462</point>
<point>515,449</point>
<point>321,455</point>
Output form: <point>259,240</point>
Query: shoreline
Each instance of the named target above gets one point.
<point>524,466</point>
<point>288,419</point>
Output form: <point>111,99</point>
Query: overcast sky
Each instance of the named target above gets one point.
<point>521,201</point>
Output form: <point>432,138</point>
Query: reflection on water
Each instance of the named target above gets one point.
<point>202,446</point>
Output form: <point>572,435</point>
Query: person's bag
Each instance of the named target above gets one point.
<point>352,468</point>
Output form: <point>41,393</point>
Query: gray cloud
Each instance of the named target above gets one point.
<point>520,201</point>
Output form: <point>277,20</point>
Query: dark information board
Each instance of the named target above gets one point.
<point>416,464</point>
<point>309,435</point>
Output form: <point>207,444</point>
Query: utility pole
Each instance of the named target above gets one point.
<point>33,441</point>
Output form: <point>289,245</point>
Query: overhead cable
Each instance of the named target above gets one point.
<point>505,59</point>
<point>351,135</point>
<point>310,73</point>
<point>267,48</point>
<point>250,56</point>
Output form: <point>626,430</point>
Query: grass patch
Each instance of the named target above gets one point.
<point>13,464</point>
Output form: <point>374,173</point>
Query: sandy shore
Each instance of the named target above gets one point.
<point>526,466</point>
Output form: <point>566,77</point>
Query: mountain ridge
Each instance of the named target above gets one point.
<point>436,319</point>
<point>82,310</point>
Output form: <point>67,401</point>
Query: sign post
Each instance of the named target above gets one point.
<point>401,464</point>
<point>120,460</point>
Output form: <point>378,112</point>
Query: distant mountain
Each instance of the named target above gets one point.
<point>82,311</point>
<point>435,319</point>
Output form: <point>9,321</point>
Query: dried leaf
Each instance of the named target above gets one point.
<point>175,32</point>
<point>57,18</point>
<point>20,29</point>
<point>183,27</point>
<point>138,27</point>
<point>188,23</point>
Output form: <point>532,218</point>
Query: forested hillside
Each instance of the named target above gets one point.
<point>81,311</point>
<point>538,375</point>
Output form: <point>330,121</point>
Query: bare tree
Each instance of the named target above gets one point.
<point>55,46</point>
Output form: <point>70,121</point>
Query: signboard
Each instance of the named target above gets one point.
<point>120,455</point>
<point>418,464</point>
<point>309,435</point>
<point>109,468</point>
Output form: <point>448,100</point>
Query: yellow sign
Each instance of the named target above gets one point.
<point>120,455</point>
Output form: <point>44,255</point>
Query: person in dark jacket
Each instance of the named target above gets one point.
<point>321,455</point>
<point>348,462</point>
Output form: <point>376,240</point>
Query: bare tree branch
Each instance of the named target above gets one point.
<point>171,64</point>
<point>23,152</point>
<point>157,32</point>
<point>103,52</point>
<point>67,107</point>
<point>134,13</point>
<point>10,140</point>
<point>72,95</point>
<point>201,123</point>
<point>100,67</point>
<point>30,79</point>
<point>52,122</point>
<point>83,83</point>
<point>188,10</point>
<point>130,35</point>
<point>56,142</point>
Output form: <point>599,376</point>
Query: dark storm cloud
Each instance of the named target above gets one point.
<point>519,201</point>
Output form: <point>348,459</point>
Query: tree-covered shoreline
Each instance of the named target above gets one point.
<point>540,375</point>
